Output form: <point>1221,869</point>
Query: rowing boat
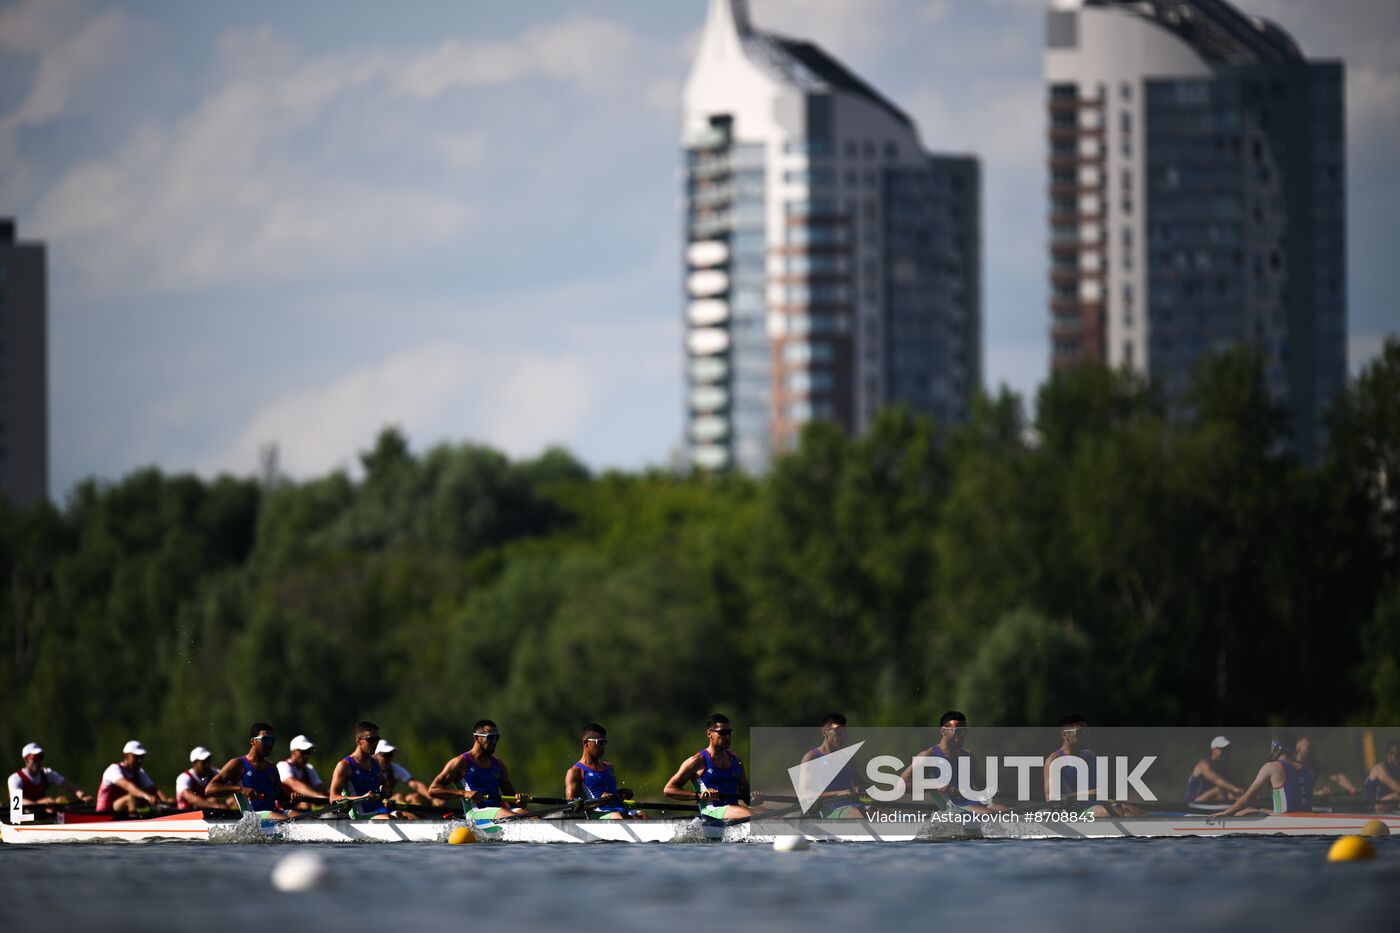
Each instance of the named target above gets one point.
<point>1035,825</point>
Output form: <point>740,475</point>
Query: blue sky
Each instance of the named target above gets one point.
<point>294,223</point>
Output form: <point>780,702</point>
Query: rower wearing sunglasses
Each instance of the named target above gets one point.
<point>717,776</point>
<point>592,778</point>
<point>1074,732</point>
<point>357,776</point>
<point>254,776</point>
<point>478,777</point>
<point>952,734</point>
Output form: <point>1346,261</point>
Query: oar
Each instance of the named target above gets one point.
<point>339,806</point>
<point>567,805</point>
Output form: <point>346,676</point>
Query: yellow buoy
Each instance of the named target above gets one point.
<point>1351,849</point>
<point>461,836</point>
<point>1375,828</point>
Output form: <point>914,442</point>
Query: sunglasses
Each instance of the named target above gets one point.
<point>722,731</point>
<point>488,736</point>
<point>371,739</point>
<point>267,739</point>
<point>598,742</point>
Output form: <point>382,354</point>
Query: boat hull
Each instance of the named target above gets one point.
<point>193,827</point>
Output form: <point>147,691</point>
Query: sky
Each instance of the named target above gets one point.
<point>293,224</point>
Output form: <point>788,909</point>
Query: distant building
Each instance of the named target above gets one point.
<point>833,267</point>
<point>1197,197</point>
<point>24,383</point>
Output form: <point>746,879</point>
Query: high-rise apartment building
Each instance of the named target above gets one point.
<point>1197,192</point>
<point>833,267</point>
<point>24,382</point>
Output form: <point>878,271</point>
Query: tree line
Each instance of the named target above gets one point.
<point>1104,555</point>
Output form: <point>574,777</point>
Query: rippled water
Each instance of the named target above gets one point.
<point>1278,884</point>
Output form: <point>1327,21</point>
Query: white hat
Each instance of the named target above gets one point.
<point>383,748</point>
<point>199,753</point>
<point>133,748</point>
<point>1219,742</point>
<point>301,743</point>
<point>31,749</point>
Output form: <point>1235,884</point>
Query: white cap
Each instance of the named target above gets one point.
<point>301,744</point>
<point>1219,742</point>
<point>383,748</point>
<point>133,748</point>
<point>31,749</point>
<point>199,753</point>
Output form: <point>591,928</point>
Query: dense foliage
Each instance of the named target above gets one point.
<point>1106,557</point>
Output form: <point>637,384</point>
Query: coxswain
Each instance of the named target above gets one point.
<point>191,784</point>
<point>36,785</point>
<point>714,776</point>
<point>592,778</point>
<point>254,776</point>
<point>841,799</point>
<point>1210,781</point>
<point>952,736</point>
<point>480,778</point>
<point>1291,783</point>
<point>357,776</point>
<point>126,785</point>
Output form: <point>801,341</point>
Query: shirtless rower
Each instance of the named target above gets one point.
<point>126,785</point>
<point>952,729</point>
<point>714,776</point>
<point>1291,783</point>
<point>841,799</point>
<point>592,778</point>
<point>1074,731</point>
<point>1382,787</point>
<point>480,778</point>
<point>191,784</point>
<point>298,773</point>
<point>35,784</point>
<point>1209,781</point>
<point>254,776</point>
<point>357,776</point>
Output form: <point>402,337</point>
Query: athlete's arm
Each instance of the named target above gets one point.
<point>340,777</point>
<point>223,783</point>
<point>135,790</point>
<point>447,781</point>
<point>907,776</point>
<point>1218,779</point>
<point>1381,774</point>
<point>1344,782</point>
<point>295,784</point>
<point>676,787</point>
<point>573,783</point>
<point>1262,779</point>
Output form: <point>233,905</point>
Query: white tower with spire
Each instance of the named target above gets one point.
<point>833,266</point>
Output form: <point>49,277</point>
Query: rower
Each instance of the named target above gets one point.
<point>254,776</point>
<point>192,784</point>
<point>396,774</point>
<point>592,778</point>
<point>1382,787</point>
<point>841,799</point>
<point>1074,731</point>
<point>35,784</point>
<point>1209,781</point>
<point>298,773</point>
<point>126,785</point>
<point>357,776</point>
<point>952,729</point>
<point>478,777</point>
<point>1291,783</point>
<point>1304,755</point>
<point>717,776</point>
